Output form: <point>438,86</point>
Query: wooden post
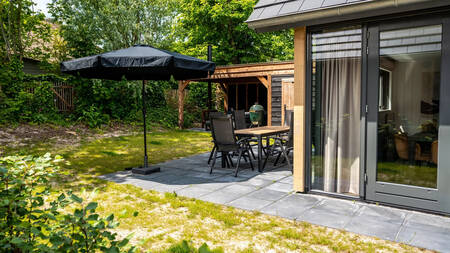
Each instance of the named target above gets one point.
<point>181,86</point>
<point>267,82</point>
<point>269,100</point>
<point>246,97</point>
<point>299,108</point>
<point>224,88</point>
<point>237,97</point>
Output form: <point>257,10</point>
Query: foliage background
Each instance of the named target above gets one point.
<point>79,28</point>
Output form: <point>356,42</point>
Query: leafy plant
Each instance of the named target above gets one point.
<point>29,222</point>
<point>93,117</point>
<point>185,247</point>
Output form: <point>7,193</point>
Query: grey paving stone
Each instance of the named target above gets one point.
<point>166,187</point>
<point>238,189</point>
<point>220,197</point>
<point>213,186</point>
<point>381,214</point>
<point>189,180</point>
<point>287,180</point>
<point>205,175</point>
<point>281,187</point>
<point>229,178</point>
<point>167,178</point>
<point>144,184</point>
<point>193,192</point>
<point>292,206</point>
<point>249,203</point>
<point>257,182</point>
<point>272,176</point>
<point>436,240</point>
<point>428,222</point>
<point>248,173</point>
<point>373,227</point>
<point>324,218</point>
<point>338,206</point>
<point>267,194</point>
<point>174,171</point>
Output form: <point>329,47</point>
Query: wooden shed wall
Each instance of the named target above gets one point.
<point>276,98</point>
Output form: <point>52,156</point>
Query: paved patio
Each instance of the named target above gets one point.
<point>271,193</point>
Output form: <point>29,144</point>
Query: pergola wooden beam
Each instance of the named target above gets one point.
<point>181,87</point>
<point>221,76</point>
<point>254,73</point>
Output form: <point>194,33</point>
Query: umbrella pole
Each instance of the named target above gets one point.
<point>145,169</point>
<point>144,112</point>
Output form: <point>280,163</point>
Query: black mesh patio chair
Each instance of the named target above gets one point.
<point>239,119</point>
<point>226,142</point>
<point>217,114</point>
<point>283,145</point>
<point>240,123</point>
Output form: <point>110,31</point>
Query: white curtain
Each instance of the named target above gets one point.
<point>341,93</point>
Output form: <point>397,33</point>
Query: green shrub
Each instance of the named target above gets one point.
<point>93,117</point>
<point>185,247</point>
<point>30,223</point>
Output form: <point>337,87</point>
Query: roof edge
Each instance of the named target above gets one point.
<point>342,13</point>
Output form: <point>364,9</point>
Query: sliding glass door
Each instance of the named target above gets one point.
<point>335,118</point>
<point>407,114</point>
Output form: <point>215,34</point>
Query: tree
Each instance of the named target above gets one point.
<point>221,23</point>
<point>91,26</point>
<point>24,31</point>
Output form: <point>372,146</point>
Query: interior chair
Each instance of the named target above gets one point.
<point>434,152</point>
<point>226,142</point>
<point>283,145</point>
<point>402,148</point>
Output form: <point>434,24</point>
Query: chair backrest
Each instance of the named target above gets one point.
<point>216,114</point>
<point>239,119</point>
<point>222,130</point>
<point>401,146</point>
<point>434,152</point>
<point>205,114</point>
<point>290,114</point>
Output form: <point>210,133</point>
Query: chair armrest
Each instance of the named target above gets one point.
<point>243,140</point>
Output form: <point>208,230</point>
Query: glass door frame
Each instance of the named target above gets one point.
<point>397,194</point>
<point>373,25</point>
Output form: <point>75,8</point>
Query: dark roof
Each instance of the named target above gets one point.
<point>269,15</point>
<point>266,9</point>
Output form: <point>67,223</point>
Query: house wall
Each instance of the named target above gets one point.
<point>277,107</point>
<point>32,67</point>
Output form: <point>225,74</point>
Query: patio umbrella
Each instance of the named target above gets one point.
<point>140,62</point>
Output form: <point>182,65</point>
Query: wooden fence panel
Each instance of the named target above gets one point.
<point>63,96</point>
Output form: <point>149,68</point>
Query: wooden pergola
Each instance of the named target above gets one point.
<point>242,74</point>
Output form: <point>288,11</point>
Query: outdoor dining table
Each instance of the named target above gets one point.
<point>259,133</point>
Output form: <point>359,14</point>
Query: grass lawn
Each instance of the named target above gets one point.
<point>167,219</point>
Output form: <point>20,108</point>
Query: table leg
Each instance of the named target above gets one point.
<point>412,151</point>
<point>259,152</point>
<point>224,163</point>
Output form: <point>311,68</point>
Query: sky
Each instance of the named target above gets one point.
<point>42,5</point>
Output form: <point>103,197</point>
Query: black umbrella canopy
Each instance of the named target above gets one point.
<point>140,62</point>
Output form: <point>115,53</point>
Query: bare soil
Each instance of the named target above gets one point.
<point>25,134</point>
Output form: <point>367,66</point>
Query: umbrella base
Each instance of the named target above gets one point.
<point>145,170</point>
